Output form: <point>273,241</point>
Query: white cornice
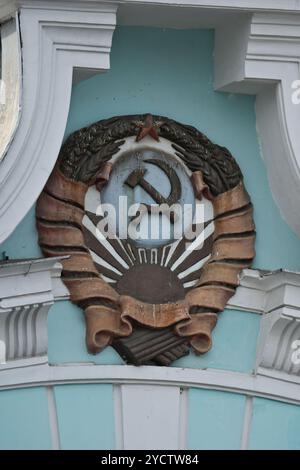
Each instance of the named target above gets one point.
<point>261,55</point>
<point>278,353</point>
<point>251,5</point>
<point>255,53</point>
<point>264,291</point>
<point>55,41</point>
<point>28,288</point>
<point>275,295</point>
<point>235,382</point>
<point>238,5</point>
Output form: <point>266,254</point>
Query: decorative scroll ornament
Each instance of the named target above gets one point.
<point>150,300</point>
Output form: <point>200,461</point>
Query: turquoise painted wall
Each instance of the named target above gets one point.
<point>85,416</point>
<point>81,412</point>
<point>235,331</point>
<point>275,425</point>
<point>24,422</point>
<point>149,74</point>
<point>178,83</point>
<point>215,420</point>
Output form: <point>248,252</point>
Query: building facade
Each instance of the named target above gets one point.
<point>231,70</point>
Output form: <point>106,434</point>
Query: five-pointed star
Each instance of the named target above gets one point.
<point>148,127</point>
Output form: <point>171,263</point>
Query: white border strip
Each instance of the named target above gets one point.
<point>247,423</point>
<point>118,412</point>
<point>53,421</point>
<point>183,419</point>
<point>235,382</point>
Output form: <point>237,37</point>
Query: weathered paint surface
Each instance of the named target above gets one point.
<point>215,420</point>
<point>85,416</point>
<point>275,425</point>
<point>177,82</point>
<point>24,422</point>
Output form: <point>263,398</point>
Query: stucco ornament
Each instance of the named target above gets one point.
<point>151,297</point>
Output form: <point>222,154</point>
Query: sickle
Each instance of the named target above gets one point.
<point>175,193</point>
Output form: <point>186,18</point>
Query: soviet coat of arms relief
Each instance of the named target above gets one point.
<point>157,226</point>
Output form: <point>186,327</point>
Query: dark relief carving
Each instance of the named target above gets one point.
<point>147,322</point>
<point>86,150</point>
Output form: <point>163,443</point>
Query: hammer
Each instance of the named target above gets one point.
<point>136,178</point>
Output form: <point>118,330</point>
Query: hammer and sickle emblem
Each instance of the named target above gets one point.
<point>136,178</point>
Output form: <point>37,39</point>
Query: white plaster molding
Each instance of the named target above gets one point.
<point>257,53</point>
<point>261,55</point>
<point>259,291</point>
<point>247,422</point>
<point>56,39</point>
<point>251,5</point>
<point>278,332</point>
<point>265,291</point>
<point>28,288</point>
<point>53,419</point>
<point>275,295</point>
<point>215,379</point>
<point>235,5</point>
<point>150,417</point>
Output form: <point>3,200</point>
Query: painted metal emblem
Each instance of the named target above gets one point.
<point>157,224</point>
